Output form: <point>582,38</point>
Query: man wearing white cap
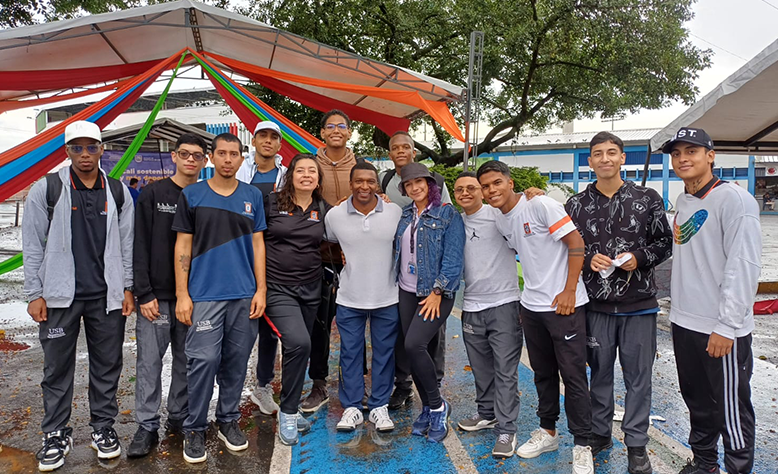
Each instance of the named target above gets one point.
<point>77,240</point>
<point>264,170</point>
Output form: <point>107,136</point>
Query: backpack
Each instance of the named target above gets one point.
<point>54,190</point>
<point>390,174</point>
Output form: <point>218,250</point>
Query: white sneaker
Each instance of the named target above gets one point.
<point>351,418</point>
<point>263,397</point>
<point>582,460</point>
<point>539,442</point>
<point>380,418</point>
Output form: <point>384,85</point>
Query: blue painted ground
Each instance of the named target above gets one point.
<point>324,450</point>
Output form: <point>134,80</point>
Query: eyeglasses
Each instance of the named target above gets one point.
<point>91,149</point>
<point>333,126</point>
<point>470,189</point>
<point>185,154</point>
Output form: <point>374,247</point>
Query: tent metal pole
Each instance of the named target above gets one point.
<point>648,161</point>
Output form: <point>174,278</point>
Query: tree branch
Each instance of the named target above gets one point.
<point>424,51</point>
<point>571,64</point>
<point>427,153</point>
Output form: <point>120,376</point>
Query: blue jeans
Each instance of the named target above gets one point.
<point>384,327</point>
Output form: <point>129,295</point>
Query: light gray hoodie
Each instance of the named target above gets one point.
<point>248,169</point>
<point>49,266</point>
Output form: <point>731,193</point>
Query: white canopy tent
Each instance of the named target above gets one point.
<point>741,114</point>
<point>158,31</point>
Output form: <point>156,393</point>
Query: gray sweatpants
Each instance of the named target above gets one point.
<point>493,339</point>
<point>218,345</point>
<point>59,339</point>
<point>153,339</point>
<point>635,338</point>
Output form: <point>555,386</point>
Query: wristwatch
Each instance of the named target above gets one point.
<point>437,291</point>
<point>131,289</point>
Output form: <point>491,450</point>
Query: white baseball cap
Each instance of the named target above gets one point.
<point>268,125</point>
<point>82,129</point>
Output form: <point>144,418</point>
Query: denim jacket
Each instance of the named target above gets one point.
<point>441,239</point>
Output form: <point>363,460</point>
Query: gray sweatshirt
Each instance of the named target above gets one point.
<point>716,261</point>
<point>49,267</point>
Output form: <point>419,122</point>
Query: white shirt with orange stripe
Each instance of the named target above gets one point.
<point>534,229</point>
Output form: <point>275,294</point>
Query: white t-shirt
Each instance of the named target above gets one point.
<point>534,229</point>
<point>491,278</point>
<point>367,281</point>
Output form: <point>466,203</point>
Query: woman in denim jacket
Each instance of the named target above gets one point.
<point>428,259</point>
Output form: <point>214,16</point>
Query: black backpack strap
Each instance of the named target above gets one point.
<point>387,178</point>
<point>117,190</point>
<point>53,192</point>
<point>439,179</point>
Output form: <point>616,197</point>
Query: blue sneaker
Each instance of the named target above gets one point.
<point>439,424</point>
<point>303,424</point>
<point>287,428</point>
<point>422,423</point>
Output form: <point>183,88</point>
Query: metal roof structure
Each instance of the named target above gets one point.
<point>156,32</point>
<point>741,113</point>
<point>163,129</point>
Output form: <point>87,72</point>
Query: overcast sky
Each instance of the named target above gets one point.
<point>734,31</point>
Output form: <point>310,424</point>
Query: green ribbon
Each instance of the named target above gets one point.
<point>236,93</point>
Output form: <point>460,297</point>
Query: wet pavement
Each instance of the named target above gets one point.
<point>323,450</point>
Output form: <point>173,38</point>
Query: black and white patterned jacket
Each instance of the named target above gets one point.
<point>633,220</point>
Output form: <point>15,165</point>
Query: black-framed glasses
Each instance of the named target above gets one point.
<point>183,154</point>
<point>91,149</point>
<point>470,189</point>
<point>339,126</point>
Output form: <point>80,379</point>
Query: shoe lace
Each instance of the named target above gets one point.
<point>536,437</point>
<point>351,414</point>
<point>475,417</point>
<point>107,435</point>
<point>196,440</point>
<point>381,413</point>
<point>50,443</point>
<point>290,422</point>
<point>504,438</point>
<point>580,453</point>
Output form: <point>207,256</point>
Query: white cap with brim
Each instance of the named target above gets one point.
<point>268,125</point>
<point>82,129</point>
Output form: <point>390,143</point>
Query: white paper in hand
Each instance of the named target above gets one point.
<point>617,262</point>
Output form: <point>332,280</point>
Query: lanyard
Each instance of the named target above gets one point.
<point>414,227</point>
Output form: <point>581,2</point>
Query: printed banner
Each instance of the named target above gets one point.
<point>146,166</point>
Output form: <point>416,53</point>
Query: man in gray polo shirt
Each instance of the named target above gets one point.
<point>402,151</point>
<point>364,226</point>
<point>490,318</point>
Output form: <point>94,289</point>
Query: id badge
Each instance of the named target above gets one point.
<point>411,269</point>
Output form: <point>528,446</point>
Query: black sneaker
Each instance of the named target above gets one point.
<point>638,462</point>
<point>106,443</point>
<point>400,397</point>
<point>693,467</point>
<point>142,443</point>
<point>600,443</point>
<point>232,436</point>
<point>194,447</point>
<point>56,445</point>
<point>317,398</point>
<point>174,426</point>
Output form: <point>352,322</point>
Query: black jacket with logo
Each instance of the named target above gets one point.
<point>633,220</point>
<point>155,241</point>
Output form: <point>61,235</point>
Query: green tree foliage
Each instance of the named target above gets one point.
<point>523,178</point>
<point>545,61</point>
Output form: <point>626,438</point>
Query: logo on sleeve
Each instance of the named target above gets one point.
<point>248,209</point>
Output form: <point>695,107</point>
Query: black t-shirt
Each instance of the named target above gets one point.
<point>155,241</point>
<point>89,227</point>
<point>292,243</point>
